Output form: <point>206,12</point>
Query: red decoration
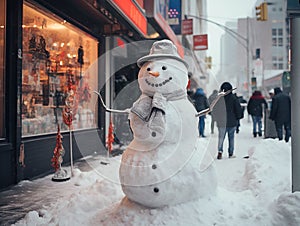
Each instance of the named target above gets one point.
<point>69,104</point>
<point>58,151</point>
<point>110,137</point>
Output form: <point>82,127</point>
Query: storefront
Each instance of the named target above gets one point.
<point>49,51</point>
<point>54,51</point>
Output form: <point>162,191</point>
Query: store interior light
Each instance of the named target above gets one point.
<point>56,26</point>
<point>154,35</point>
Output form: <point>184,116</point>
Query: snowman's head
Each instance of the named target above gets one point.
<point>164,76</point>
<point>162,70</point>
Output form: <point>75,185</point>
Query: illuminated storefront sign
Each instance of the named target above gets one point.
<point>133,13</point>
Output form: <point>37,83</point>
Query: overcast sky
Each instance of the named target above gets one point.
<point>221,11</point>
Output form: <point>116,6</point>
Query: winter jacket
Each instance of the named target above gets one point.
<point>281,107</point>
<point>200,100</point>
<point>255,104</point>
<point>228,111</point>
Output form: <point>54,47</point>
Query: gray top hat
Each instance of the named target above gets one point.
<point>161,49</point>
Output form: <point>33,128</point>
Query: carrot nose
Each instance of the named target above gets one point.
<point>154,73</point>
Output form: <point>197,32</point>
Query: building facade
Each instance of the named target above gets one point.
<point>54,50</point>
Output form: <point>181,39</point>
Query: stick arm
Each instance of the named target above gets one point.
<point>126,111</point>
<point>212,105</point>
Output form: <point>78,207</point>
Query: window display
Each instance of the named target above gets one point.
<point>56,56</point>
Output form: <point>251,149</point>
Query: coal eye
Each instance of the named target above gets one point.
<point>148,69</point>
<point>164,67</point>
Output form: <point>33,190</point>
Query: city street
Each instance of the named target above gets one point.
<point>248,185</point>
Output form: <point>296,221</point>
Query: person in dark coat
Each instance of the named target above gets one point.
<point>211,98</point>
<point>201,103</point>
<point>255,109</point>
<point>227,112</point>
<point>281,113</point>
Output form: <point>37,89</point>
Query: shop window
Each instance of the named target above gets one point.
<point>2,68</point>
<point>57,57</point>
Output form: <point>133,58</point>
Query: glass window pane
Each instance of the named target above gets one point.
<point>280,41</point>
<point>2,68</point>
<point>274,42</point>
<point>57,57</point>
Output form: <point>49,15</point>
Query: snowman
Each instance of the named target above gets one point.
<point>161,166</point>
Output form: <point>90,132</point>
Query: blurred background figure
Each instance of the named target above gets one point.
<point>281,113</point>
<point>201,103</point>
<point>243,103</point>
<point>271,93</point>
<point>211,98</point>
<point>255,109</point>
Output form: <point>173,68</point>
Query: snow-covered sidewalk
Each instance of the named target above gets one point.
<point>251,191</point>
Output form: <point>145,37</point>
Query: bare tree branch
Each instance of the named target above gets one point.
<point>126,111</point>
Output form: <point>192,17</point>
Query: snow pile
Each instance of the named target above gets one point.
<point>258,194</point>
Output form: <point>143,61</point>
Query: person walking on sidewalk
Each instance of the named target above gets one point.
<point>255,109</point>
<point>211,98</point>
<point>227,112</point>
<point>281,113</point>
<point>201,103</point>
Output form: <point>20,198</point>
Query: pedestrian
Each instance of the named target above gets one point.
<point>281,113</point>
<point>201,103</point>
<point>255,109</point>
<point>271,93</point>
<point>211,98</point>
<point>227,111</point>
<point>243,102</point>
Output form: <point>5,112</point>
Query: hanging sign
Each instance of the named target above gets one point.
<point>174,16</point>
<point>200,42</point>
<point>187,27</point>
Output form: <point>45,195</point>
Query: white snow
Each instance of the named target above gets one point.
<point>251,191</point>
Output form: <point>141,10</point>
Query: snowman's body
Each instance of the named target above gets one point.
<point>161,165</point>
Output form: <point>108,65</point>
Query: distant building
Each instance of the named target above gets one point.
<point>268,45</point>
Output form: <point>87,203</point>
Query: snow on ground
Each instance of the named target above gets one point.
<point>253,189</point>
